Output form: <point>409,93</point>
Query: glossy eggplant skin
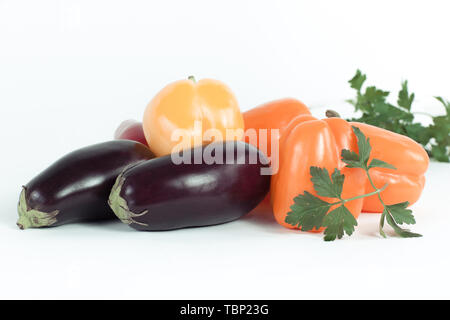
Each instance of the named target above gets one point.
<point>159,195</point>
<point>76,187</point>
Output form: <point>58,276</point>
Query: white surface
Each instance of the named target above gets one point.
<point>71,71</point>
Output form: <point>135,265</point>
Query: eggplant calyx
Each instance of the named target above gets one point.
<point>32,218</point>
<point>119,205</point>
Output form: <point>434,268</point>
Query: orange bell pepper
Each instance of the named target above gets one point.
<point>410,158</point>
<point>307,143</point>
<point>273,115</point>
<point>183,105</point>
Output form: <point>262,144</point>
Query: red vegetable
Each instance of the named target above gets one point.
<point>130,130</point>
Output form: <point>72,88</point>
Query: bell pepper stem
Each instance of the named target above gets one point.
<point>332,114</point>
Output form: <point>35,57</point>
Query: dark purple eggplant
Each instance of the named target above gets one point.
<point>158,194</point>
<point>76,187</point>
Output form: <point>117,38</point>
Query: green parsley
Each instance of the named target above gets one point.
<point>372,103</point>
<point>309,211</point>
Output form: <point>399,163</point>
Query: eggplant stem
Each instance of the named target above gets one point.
<point>120,206</point>
<point>134,215</point>
<point>32,218</point>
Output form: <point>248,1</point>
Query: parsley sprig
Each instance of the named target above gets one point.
<point>311,212</point>
<point>376,110</point>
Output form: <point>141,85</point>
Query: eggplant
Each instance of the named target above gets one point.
<point>163,194</point>
<point>76,187</point>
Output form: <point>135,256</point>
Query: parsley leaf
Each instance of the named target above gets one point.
<point>338,222</point>
<point>439,153</point>
<point>400,213</point>
<point>307,212</point>
<point>360,160</point>
<point>445,103</point>
<point>377,163</point>
<point>364,147</point>
<point>404,233</point>
<point>324,186</point>
<point>404,99</point>
<point>358,80</point>
<point>351,159</point>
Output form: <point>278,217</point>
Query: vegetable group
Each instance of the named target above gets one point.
<point>76,187</point>
<point>321,173</point>
<point>160,195</point>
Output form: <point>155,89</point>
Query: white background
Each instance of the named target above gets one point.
<point>71,71</point>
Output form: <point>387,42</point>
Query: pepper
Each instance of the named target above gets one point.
<point>193,107</point>
<point>410,159</point>
<point>310,142</point>
<point>272,115</point>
